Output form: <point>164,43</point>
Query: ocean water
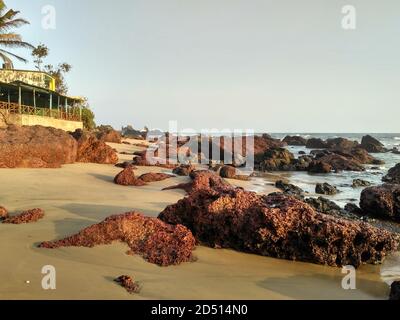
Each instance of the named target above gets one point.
<point>343,180</point>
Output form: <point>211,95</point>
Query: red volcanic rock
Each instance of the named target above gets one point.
<point>275,159</point>
<point>28,216</point>
<point>339,162</point>
<point>127,178</point>
<point>382,201</point>
<point>341,144</point>
<point>278,226</point>
<point>153,177</point>
<point>128,283</point>
<point>91,149</point>
<point>35,147</point>
<point>156,241</point>
<point>108,134</point>
<point>3,213</point>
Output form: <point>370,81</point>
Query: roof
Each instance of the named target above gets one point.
<point>24,70</point>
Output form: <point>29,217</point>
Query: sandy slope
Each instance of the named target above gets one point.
<point>79,195</point>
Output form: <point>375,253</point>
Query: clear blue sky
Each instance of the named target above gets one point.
<point>274,66</point>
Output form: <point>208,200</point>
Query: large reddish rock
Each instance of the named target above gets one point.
<point>91,149</point>
<point>157,242</point>
<point>108,134</point>
<point>3,213</point>
<point>127,178</point>
<point>183,170</point>
<point>338,162</point>
<point>154,177</point>
<point>382,201</point>
<point>35,147</point>
<point>295,140</point>
<point>278,226</point>
<point>28,216</point>
<point>275,159</point>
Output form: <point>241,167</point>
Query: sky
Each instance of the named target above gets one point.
<point>269,66</point>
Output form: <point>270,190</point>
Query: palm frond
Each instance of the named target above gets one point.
<point>5,52</point>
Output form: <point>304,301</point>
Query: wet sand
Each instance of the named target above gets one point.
<point>80,195</point>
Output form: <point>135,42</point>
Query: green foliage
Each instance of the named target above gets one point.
<point>58,74</point>
<point>40,52</point>
<point>88,117</point>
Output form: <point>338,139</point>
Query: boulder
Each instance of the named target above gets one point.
<point>372,145</point>
<point>357,183</point>
<point>3,213</point>
<point>91,149</point>
<point>108,134</point>
<point>275,159</point>
<point>183,170</point>
<point>289,189</point>
<point>354,209</point>
<point>393,175</point>
<point>128,283</point>
<point>154,176</point>
<point>278,226</point>
<point>36,147</point>
<point>341,144</point>
<point>319,167</point>
<point>28,216</point>
<point>127,178</point>
<point>228,172</point>
<point>324,205</point>
<point>295,141</point>
<point>395,291</point>
<point>339,162</point>
<point>382,201</point>
<point>156,241</point>
<point>316,143</point>
<point>326,189</point>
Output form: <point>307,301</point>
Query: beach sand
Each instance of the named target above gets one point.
<point>80,195</point>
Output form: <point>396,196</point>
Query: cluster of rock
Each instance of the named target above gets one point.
<point>27,216</point>
<point>127,177</point>
<point>156,241</point>
<point>276,225</point>
<point>108,134</point>
<point>128,283</point>
<point>46,147</point>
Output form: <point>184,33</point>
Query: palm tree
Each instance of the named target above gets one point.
<point>10,40</point>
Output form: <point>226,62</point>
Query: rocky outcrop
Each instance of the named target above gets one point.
<point>326,189</point>
<point>372,145</point>
<point>228,172</point>
<point>295,141</point>
<point>357,183</point>
<point>324,205</point>
<point>316,143</point>
<point>91,149</point>
<point>319,167</point>
<point>28,216</point>
<point>127,178</point>
<point>395,291</point>
<point>156,241</point>
<point>128,283</point>
<point>183,170</point>
<point>393,176</point>
<point>341,144</point>
<point>289,189</point>
<point>278,226</point>
<point>382,201</point>
<point>275,159</point>
<point>339,162</point>
<point>3,213</point>
<point>108,134</point>
<point>35,147</point>
<point>154,177</point>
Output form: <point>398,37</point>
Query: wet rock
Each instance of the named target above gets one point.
<point>154,177</point>
<point>91,149</point>
<point>395,291</point>
<point>28,216</point>
<point>325,188</point>
<point>156,241</point>
<point>357,183</point>
<point>35,147</point>
<point>108,134</point>
<point>339,162</point>
<point>289,189</point>
<point>372,145</point>
<point>275,159</point>
<point>302,152</point>
<point>278,226</point>
<point>127,178</point>
<point>128,283</point>
<point>3,213</point>
<point>393,175</point>
<point>382,201</point>
<point>341,144</point>
<point>324,205</point>
<point>228,172</point>
<point>295,140</point>
<point>316,143</point>
<point>354,209</point>
<point>319,167</point>
<point>183,170</point>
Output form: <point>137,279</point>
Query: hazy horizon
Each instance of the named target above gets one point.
<point>264,65</point>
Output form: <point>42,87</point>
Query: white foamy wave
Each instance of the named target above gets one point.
<point>396,138</point>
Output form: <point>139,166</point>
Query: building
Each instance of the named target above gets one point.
<point>29,98</point>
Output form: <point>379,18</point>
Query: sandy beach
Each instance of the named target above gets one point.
<point>80,195</point>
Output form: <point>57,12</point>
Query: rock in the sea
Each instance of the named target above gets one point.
<point>127,178</point>
<point>157,242</point>
<point>275,159</point>
<point>382,201</point>
<point>154,177</point>
<point>289,189</point>
<point>295,140</point>
<point>319,167</point>
<point>357,183</point>
<point>3,213</point>
<point>35,147</point>
<point>341,144</point>
<point>395,291</point>
<point>325,188</point>
<point>372,145</point>
<point>339,162</point>
<point>316,143</point>
<point>128,283</point>
<point>28,216</point>
<point>393,176</point>
<point>108,134</point>
<point>183,170</point>
<point>324,205</point>
<point>354,209</point>
<point>91,149</point>
<point>279,226</point>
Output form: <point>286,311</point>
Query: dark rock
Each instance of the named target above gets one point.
<point>289,189</point>
<point>127,178</point>
<point>372,145</point>
<point>108,134</point>
<point>275,159</point>
<point>183,170</point>
<point>302,152</point>
<point>128,283</point>
<point>382,201</point>
<point>228,172</point>
<point>395,291</point>
<point>341,144</point>
<point>338,162</point>
<point>295,141</point>
<point>319,167</point>
<point>156,241</point>
<point>354,209</point>
<point>28,216</point>
<point>325,188</point>
<point>324,205</point>
<point>357,183</point>
<point>316,143</point>
<point>393,175</point>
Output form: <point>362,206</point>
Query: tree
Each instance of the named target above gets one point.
<point>58,74</point>
<point>40,52</point>
<point>87,116</point>
<point>10,40</point>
